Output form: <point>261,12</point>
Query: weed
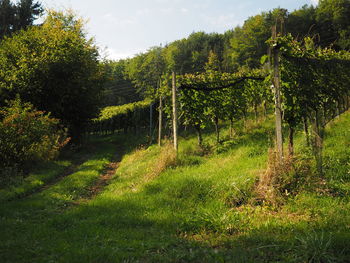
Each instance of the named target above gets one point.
<point>281,180</point>
<point>314,247</point>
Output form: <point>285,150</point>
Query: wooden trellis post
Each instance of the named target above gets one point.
<point>277,89</point>
<point>150,122</point>
<point>174,111</point>
<point>160,117</point>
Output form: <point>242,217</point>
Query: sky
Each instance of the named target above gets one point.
<point>124,28</point>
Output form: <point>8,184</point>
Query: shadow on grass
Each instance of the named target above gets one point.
<point>128,229</point>
<point>103,231</point>
<point>147,226</point>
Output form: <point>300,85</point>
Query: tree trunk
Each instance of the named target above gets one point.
<point>291,141</point>
<point>336,110</point>
<point>231,128</point>
<point>256,112</point>
<point>265,108</point>
<point>343,105</point>
<point>306,131</point>
<point>217,129</point>
<point>199,135</point>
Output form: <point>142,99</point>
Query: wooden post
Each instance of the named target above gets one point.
<point>277,88</point>
<point>174,111</point>
<point>160,113</point>
<point>150,121</point>
<point>160,121</point>
<point>317,131</point>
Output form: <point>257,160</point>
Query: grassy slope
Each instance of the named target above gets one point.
<point>194,212</point>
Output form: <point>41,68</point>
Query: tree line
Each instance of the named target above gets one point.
<point>243,46</point>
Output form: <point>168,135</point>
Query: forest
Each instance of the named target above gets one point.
<point>229,147</point>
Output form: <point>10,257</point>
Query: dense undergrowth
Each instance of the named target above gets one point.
<point>202,206</point>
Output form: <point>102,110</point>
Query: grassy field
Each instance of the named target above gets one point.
<point>200,207</point>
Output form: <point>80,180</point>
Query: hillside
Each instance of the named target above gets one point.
<point>201,207</point>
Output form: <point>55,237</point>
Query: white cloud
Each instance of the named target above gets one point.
<point>166,11</point>
<point>112,54</point>
<point>184,10</point>
<point>314,2</point>
<point>120,22</point>
<point>222,21</point>
<point>142,12</point>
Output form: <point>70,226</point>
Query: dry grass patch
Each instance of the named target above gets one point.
<point>167,158</point>
<point>282,179</point>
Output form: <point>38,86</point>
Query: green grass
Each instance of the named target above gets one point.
<point>45,173</point>
<point>35,180</point>
<point>200,210</point>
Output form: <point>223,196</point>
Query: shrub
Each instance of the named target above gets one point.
<point>27,135</point>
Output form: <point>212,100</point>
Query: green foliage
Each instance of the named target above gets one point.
<point>191,54</point>
<point>332,16</point>
<point>115,111</point>
<point>315,79</point>
<point>27,135</point>
<point>302,22</point>
<point>131,115</point>
<point>145,71</point>
<point>118,89</point>
<point>55,68</point>
<point>246,46</point>
<point>17,16</point>
<point>210,97</point>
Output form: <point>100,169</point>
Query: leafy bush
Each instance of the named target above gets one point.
<point>27,135</point>
<point>56,68</point>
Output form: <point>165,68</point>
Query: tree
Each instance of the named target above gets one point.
<point>27,11</point>
<point>55,67</point>
<point>248,42</point>
<point>18,16</point>
<point>145,71</point>
<point>6,17</point>
<point>302,22</point>
<point>333,19</point>
<point>118,89</point>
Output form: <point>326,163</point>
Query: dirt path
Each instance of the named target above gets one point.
<point>92,190</point>
<point>104,179</point>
